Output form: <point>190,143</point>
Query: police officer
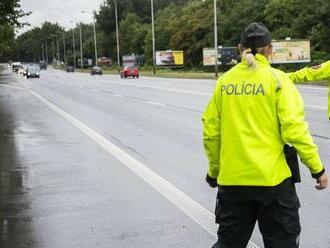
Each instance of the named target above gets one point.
<point>319,72</point>
<point>255,110</point>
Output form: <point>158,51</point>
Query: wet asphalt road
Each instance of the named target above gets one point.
<point>62,188</point>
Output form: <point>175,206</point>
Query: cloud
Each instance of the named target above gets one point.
<point>58,11</point>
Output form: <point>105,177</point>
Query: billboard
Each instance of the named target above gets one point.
<point>290,51</point>
<point>226,56</point>
<point>208,56</point>
<point>169,57</point>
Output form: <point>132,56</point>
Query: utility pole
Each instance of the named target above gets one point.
<point>58,51</point>
<point>95,41</point>
<point>153,37</point>
<point>53,50</point>
<point>64,52</point>
<point>81,49</point>
<point>46,52</point>
<point>216,38</point>
<point>74,50</point>
<point>117,35</point>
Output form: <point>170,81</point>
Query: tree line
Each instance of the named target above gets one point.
<point>184,25</point>
<point>10,12</point>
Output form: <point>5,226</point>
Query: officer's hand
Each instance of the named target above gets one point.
<point>322,182</point>
<point>212,182</point>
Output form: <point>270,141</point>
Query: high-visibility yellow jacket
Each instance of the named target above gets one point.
<point>314,73</point>
<point>251,115</point>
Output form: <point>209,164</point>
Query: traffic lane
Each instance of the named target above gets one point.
<point>168,141</point>
<point>186,187</point>
<point>155,124</point>
<point>315,97</point>
<point>75,194</point>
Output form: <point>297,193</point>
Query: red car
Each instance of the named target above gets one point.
<point>129,72</point>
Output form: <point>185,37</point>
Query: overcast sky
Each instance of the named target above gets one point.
<point>60,11</point>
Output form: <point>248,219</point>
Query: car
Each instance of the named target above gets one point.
<point>129,71</point>
<point>22,70</point>
<point>16,66</point>
<point>33,71</point>
<point>69,68</point>
<point>96,70</point>
<point>43,65</point>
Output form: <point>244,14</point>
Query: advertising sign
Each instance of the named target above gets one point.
<point>169,57</point>
<point>226,56</point>
<point>291,51</point>
<point>208,56</point>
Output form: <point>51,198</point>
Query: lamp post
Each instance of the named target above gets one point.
<point>94,29</point>
<point>215,37</point>
<point>64,50</point>
<point>81,50</point>
<point>53,51</point>
<point>46,52</point>
<point>42,52</point>
<point>58,50</point>
<point>153,37</point>
<point>74,48</point>
<point>117,35</point>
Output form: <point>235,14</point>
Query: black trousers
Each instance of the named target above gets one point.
<point>238,209</point>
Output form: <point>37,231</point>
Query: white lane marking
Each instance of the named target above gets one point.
<point>12,87</point>
<point>118,95</point>
<point>156,103</point>
<point>186,204</point>
<point>163,88</point>
<point>315,107</point>
<point>321,88</point>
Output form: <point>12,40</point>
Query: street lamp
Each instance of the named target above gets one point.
<point>215,36</point>
<point>46,52</point>
<point>117,35</point>
<point>74,48</point>
<point>64,52</point>
<point>153,37</point>
<point>81,49</point>
<point>84,12</point>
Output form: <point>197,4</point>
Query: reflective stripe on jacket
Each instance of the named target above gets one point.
<point>248,120</point>
<point>314,73</point>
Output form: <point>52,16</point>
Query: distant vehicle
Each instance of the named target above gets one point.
<point>16,66</point>
<point>96,70</point>
<point>22,70</point>
<point>69,68</point>
<point>43,65</point>
<point>33,71</point>
<point>104,61</point>
<point>129,72</point>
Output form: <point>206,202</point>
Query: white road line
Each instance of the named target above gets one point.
<point>156,103</point>
<point>187,205</point>
<point>315,107</point>
<point>118,95</point>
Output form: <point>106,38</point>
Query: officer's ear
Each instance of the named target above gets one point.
<point>240,49</point>
<point>268,50</point>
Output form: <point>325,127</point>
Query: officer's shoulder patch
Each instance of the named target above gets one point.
<point>315,67</point>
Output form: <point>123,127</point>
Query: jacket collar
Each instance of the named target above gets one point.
<point>260,58</point>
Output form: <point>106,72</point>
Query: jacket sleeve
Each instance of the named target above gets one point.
<point>320,72</point>
<point>211,133</point>
<point>294,129</point>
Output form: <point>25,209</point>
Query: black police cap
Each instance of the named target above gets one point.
<point>256,35</point>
